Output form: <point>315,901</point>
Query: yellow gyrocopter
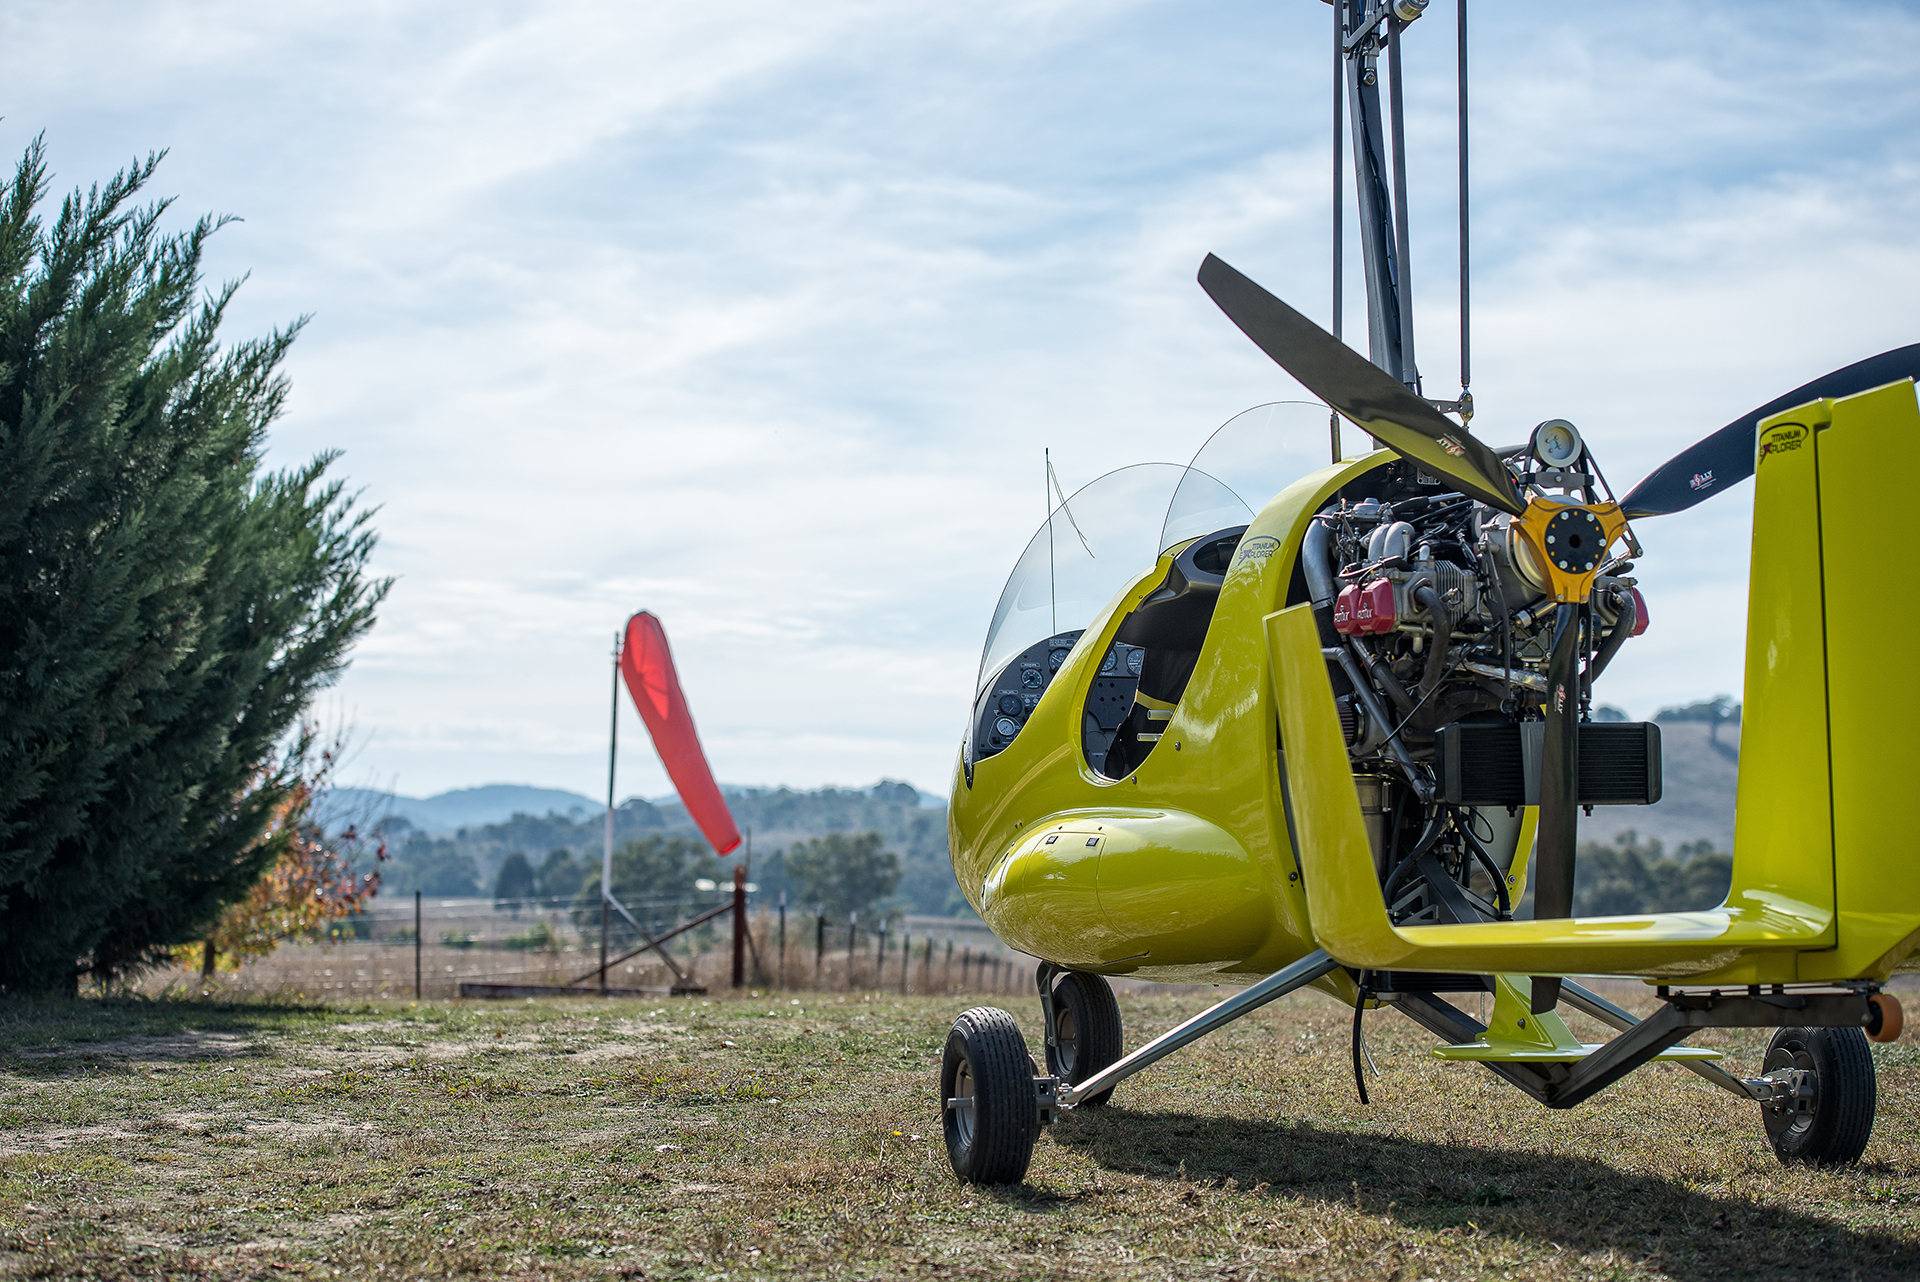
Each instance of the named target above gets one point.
<point>1326,734</point>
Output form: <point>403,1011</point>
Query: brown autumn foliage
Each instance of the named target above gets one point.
<point>317,880</point>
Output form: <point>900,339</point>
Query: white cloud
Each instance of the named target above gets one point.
<point>759,315</point>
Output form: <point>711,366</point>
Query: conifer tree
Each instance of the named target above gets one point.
<point>167,609</point>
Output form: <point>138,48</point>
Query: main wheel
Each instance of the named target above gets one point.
<point>1086,1031</point>
<point>986,1086</point>
<point>1829,1123</point>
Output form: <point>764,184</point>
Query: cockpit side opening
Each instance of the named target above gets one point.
<point>1146,669</point>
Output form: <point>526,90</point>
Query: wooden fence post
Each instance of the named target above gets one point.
<point>739,925</point>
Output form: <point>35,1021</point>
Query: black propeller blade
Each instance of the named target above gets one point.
<point>1557,829</point>
<point>1725,458</point>
<point>1361,390</point>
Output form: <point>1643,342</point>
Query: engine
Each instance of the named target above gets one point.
<point>1436,623</point>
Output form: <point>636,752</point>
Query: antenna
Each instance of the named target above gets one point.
<point>1053,605</point>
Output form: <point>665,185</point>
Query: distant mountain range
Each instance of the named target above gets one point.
<point>466,860</point>
<point>492,803</point>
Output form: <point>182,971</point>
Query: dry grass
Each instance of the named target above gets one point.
<point>743,1137</point>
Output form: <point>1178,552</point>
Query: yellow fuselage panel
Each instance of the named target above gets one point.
<point>1229,906</point>
<point>1115,891</point>
<point>1873,706</point>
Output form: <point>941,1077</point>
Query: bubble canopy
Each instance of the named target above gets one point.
<point>1104,534</point>
<point>1115,527</point>
<point>1249,459</point>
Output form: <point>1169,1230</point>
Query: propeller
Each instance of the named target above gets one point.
<point>1360,390</point>
<point>1724,458</point>
<point>1557,828</point>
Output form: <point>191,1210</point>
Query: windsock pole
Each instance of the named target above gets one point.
<point>606,853</point>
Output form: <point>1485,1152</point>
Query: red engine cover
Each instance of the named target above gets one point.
<point>1343,610</point>
<point>1373,609</point>
<point>1640,617</point>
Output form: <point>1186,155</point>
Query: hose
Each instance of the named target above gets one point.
<point>1436,606</point>
<point>1316,562</point>
<point>1629,614</point>
<point>1436,825</point>
<point>1377,668</point>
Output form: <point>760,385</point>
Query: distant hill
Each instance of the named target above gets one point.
<point>464,860</point>
<point>454,843</point>
<point>444,812</point>
<point>498,802</point>
<point>1697,801</point>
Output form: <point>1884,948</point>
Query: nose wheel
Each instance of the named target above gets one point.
<point>986,1086</point>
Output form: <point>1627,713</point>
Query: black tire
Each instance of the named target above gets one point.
<point>986,1093</point>
<point>1834,1130</point>
<point>1086,1027</point>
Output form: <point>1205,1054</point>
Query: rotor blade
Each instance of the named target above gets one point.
<point>1725,458</point>
<point>1361,390</point>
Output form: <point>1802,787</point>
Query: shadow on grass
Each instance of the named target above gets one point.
<point>1575,1202</point>
<point>42,1036</point>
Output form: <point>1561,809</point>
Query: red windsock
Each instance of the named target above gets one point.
<point>647,665</point>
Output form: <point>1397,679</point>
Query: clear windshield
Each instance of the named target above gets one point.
<point>1101,537</point>
<point>1252,457</point>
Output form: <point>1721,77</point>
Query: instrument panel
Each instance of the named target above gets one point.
<point>1002,708</point>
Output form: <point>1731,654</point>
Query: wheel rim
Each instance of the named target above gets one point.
<point>961,1106</point>
<point>1066,1037</point>
<point>1781,1124</point>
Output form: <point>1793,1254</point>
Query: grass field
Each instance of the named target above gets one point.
<point>799,1134</point>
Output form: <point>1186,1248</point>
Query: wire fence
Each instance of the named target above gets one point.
<point>390,952</point>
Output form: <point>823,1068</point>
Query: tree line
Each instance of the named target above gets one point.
<point>658,879</point>
<point>556,854</point>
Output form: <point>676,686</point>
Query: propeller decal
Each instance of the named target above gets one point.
<point>1724,458</point>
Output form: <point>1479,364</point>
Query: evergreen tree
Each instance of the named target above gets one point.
<point>513,884</point>
<point>653,877</point>
<point>1629,876</point>
<point>167,610</point>
<point>560,875</point>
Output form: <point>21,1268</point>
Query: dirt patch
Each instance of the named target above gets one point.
<point>292,1130</point>
<point>55,1140</point>
<point>177,1046</point>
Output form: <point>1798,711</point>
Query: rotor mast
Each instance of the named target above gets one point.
<point>1364,31</point>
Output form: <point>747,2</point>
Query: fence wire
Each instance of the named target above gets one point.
<point>373,954</point>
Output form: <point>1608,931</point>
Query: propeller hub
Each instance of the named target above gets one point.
<point>1570,541</point>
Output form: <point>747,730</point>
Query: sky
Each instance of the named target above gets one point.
<point>760,315</point>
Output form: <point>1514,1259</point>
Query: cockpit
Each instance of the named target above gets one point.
<point>1101,539</point>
